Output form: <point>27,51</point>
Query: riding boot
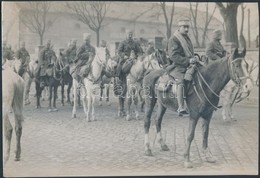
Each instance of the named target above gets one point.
<point>180,99</point>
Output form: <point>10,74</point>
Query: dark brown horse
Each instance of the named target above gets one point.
<point>201,97</point>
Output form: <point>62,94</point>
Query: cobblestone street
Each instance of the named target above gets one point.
<point>54,144</point>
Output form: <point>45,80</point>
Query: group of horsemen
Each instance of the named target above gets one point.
<point>179,49</point>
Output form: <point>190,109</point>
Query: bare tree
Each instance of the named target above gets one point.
<point>241,36</point>
<point>196,25</point>
<point>207,22</point>
<point>34,16</point>
<point>229,14</point>
<point>168,19</point>
<point>90,13</point>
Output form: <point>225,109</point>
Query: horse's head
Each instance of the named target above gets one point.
<point>161,57</point>
<point>111,65</point>
<point>239,70</point>
<point>14,64</point>
<point>150,62</point>
<point>100,56</point>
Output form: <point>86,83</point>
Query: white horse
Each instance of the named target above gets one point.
<point>229,95</point>
<point>91,83</point>
<point>13,93</point>
<point>141,66</point>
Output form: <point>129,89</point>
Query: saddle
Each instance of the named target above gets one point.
<point>127,66</point>
<point>80,72</point>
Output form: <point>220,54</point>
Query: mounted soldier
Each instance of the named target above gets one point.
<point>84,57</point>
<point>181,53</point>
<point>215,50</point>
<point>46,61</point>
<point>150,48</point>
<point>124,50</point>
<point>71,51</point>
<point>23,55</point>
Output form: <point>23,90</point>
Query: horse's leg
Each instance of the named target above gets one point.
<point>121,112</point>
<point>68,91</point>
<point>160,112</point>
<point>147,122</point>
<point>28,82</point>
<point>18,131</point>
<point>55,96</point>
<point>135,99</point>
<point>192,125</point>
<point>107,94</point>
<point>8,130</point>
<point>129,103</point>
<point>141,100</point>
<point>205,130</point>
<point>86,100</point>
<point>38,94</point>
<point>92,106</point>
<point>62,93</point>
<point>101,94</point>
<point>75,85</point>
<point>50,96</point>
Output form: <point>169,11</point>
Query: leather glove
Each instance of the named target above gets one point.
<point>125,57</point>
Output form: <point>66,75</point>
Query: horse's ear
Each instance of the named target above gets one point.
<point>235,53</point>
<point>243,53</point>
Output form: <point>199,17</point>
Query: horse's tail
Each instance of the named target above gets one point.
<point>150,81</point>
<point>18,99</point>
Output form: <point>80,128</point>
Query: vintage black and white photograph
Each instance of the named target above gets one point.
<point>122,88</point>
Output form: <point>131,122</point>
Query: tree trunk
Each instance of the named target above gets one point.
<point>41,39</point>
<point>231,26</point>
<point>169,32</point>
<point>97,33</point>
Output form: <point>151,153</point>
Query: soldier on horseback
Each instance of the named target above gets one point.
<point>23,55</point>
<point>181,53</point>
<point>71,51</point>
<point>83,56</point>
<point>215,50</point>
<point>124,51</point>
<point>46,62</point>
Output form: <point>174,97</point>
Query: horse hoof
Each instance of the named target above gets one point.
<point>62,104</point>
<point>100,103</point>
<point>148,152</point>
<point>37,107</point>
<point>128,118</point>
<point>54,109</point>
<point>74,116</point>
<point>49,110</point>
<point>108,103</point>
<point>210,159</point>
<point>165,148</point>
<point>88,120</point>
<point>17,159</point>
<point>188,164</point>
<point>27,102</point>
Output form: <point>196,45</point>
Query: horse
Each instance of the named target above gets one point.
<point>161,57</point>
<point>202,97</point>
<point>142,66</point>
<point>13,94</point>
<point>66,78</point>
<point>52,80</point>
<point>106,81</point>
<point>231,94</point>
<point>90,85</point>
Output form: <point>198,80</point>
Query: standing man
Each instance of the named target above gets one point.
<point>23,55</point>
<point>214,49</point>
<point>83,55</point>
<point>181,53</point>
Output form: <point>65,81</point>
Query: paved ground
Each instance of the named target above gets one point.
<point>55,144</point>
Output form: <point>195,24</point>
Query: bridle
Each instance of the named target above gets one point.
<point>233,75</point>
